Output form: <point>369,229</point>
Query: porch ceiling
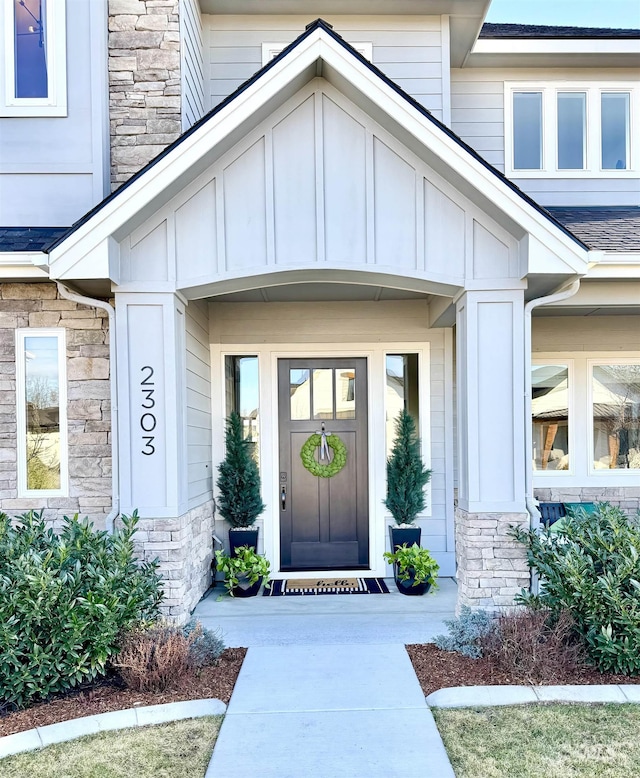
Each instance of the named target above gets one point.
<point>319,292</point>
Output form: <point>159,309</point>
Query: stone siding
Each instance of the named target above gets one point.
<point>144,82</point>
<point>88,407</point>
<point>625,497</point>
<point>183,546</point>
<point>492,566</point>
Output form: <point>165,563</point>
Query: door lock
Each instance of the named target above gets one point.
<point>283,497</point>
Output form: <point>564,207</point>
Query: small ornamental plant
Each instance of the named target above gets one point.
<point>245,565</point>
<point>239,500</point>
<point>406,474</point>
<point>414,563</point>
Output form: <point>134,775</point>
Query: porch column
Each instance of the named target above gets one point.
<point>491,567</point>
<point>152,439</point>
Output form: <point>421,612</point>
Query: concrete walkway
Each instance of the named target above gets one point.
<point>327,689</point>
<point>352,711</point>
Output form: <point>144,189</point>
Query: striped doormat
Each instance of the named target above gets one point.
<point>312,586</point>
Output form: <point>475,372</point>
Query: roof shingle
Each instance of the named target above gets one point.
<point>604,228</point>
<point>29,238</point>
<point>495,30</point>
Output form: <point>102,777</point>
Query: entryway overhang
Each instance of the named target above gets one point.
<point>361,152</point>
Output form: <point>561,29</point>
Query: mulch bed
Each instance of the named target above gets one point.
<point>211,682</point>
<point>438,669</point>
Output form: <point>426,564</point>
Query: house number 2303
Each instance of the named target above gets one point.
<point>148,419</point>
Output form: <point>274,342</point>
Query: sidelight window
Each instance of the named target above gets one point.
<point>401,391</point>
<point>242,392</point>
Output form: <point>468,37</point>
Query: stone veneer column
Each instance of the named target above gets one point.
<point>88,408</point>
<point>492,567</point>
<point>144,82</point>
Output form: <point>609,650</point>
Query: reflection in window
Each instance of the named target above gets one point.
<point>527,130</point>
<point>615,130</point>
<point>616,417</point>
<point>401,391</point>
<point>345,393</point>
<point>300,393</point>
<point>242,393</point>
<point>30,49</point>
<point>39,386</point>
<point>571,130</point>
<point>323,393</point>
<point>550,417</point>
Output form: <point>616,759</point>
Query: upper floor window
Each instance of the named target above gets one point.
<point>34,45</point>
<point>570,130</point>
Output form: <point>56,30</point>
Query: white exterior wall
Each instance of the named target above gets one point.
<point>198,364</point>
<point>192,63</point>
<point>55,169</point>
<point>478,117</point>
<point>270,330</point>
<point>408,49</point>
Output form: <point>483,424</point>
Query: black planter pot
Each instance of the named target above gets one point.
<point>245,589</point>
<point>400,535</point>
<point>243,537</point>
<point>407,587</point>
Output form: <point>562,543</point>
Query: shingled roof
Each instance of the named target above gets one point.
<point>605,228</point>
<point>495,30</point>
<point>29,238</point>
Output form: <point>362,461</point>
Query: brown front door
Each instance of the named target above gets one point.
<point>324,522</point>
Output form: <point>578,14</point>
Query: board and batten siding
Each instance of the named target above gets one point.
<point>192,65</point>
<point>198,364</point>
<point>408,49</point>
<point>342,323</point>
<point>477,116</point>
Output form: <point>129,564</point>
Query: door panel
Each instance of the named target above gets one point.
<point>324,522</point>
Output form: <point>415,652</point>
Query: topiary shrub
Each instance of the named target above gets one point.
<point>592,568</point>
<point>466,632</point>
<point>406,473</point>
<point>65,598</point>
<point>206,646</point>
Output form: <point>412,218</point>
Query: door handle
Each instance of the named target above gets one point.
<point>283,498</point>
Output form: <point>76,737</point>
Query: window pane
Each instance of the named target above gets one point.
<point>527,130</point>
<point>550,417</point>
<point>616,417</point>
<point>571,130</point>
<point>30,48</point>
<point>323,393</point>
<point>615,130</point>
<point>346,393</point>
<point>242,392</point>
<point>300,391</point>
<point>402,391</point>
<point>42,392</point>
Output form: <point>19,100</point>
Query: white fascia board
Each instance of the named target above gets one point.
<point>23,264</point>
<point>615,264</point>
<point>603,294</point>
<point>317,47</point>
<point>556,46</point>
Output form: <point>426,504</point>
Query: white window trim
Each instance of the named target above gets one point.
<point>571,471</point>
<point>271,50</point>
<point>21,412</point>
<point>620,472</point>
<point>593,130</point>
<point>55,104</point>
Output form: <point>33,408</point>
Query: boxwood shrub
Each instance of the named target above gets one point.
<point>65,598</point>
<point>592,568</point>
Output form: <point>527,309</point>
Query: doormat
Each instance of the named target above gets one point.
<point>300,586</point>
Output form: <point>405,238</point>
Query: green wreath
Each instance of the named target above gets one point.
<point>308,451</point>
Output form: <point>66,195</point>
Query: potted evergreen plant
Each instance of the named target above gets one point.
<point>406,478</point>
<point>414,568</point>
<point>244,573</point>
<point>239,500</point>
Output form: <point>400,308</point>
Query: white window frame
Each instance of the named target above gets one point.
<point>271,50</point>
<point>21,412</point>
<point>55,104</point>
<point>593,129</point>
<point>571,422</point>
<point>623,473</point>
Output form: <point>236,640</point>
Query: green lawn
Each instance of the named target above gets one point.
<point>181,749</point>
<point>543,741</point>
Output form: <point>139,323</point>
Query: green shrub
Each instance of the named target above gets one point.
<point>207,645</point>
<point>592,568</point>
<point>64,600</point>
<point>466,632</point>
